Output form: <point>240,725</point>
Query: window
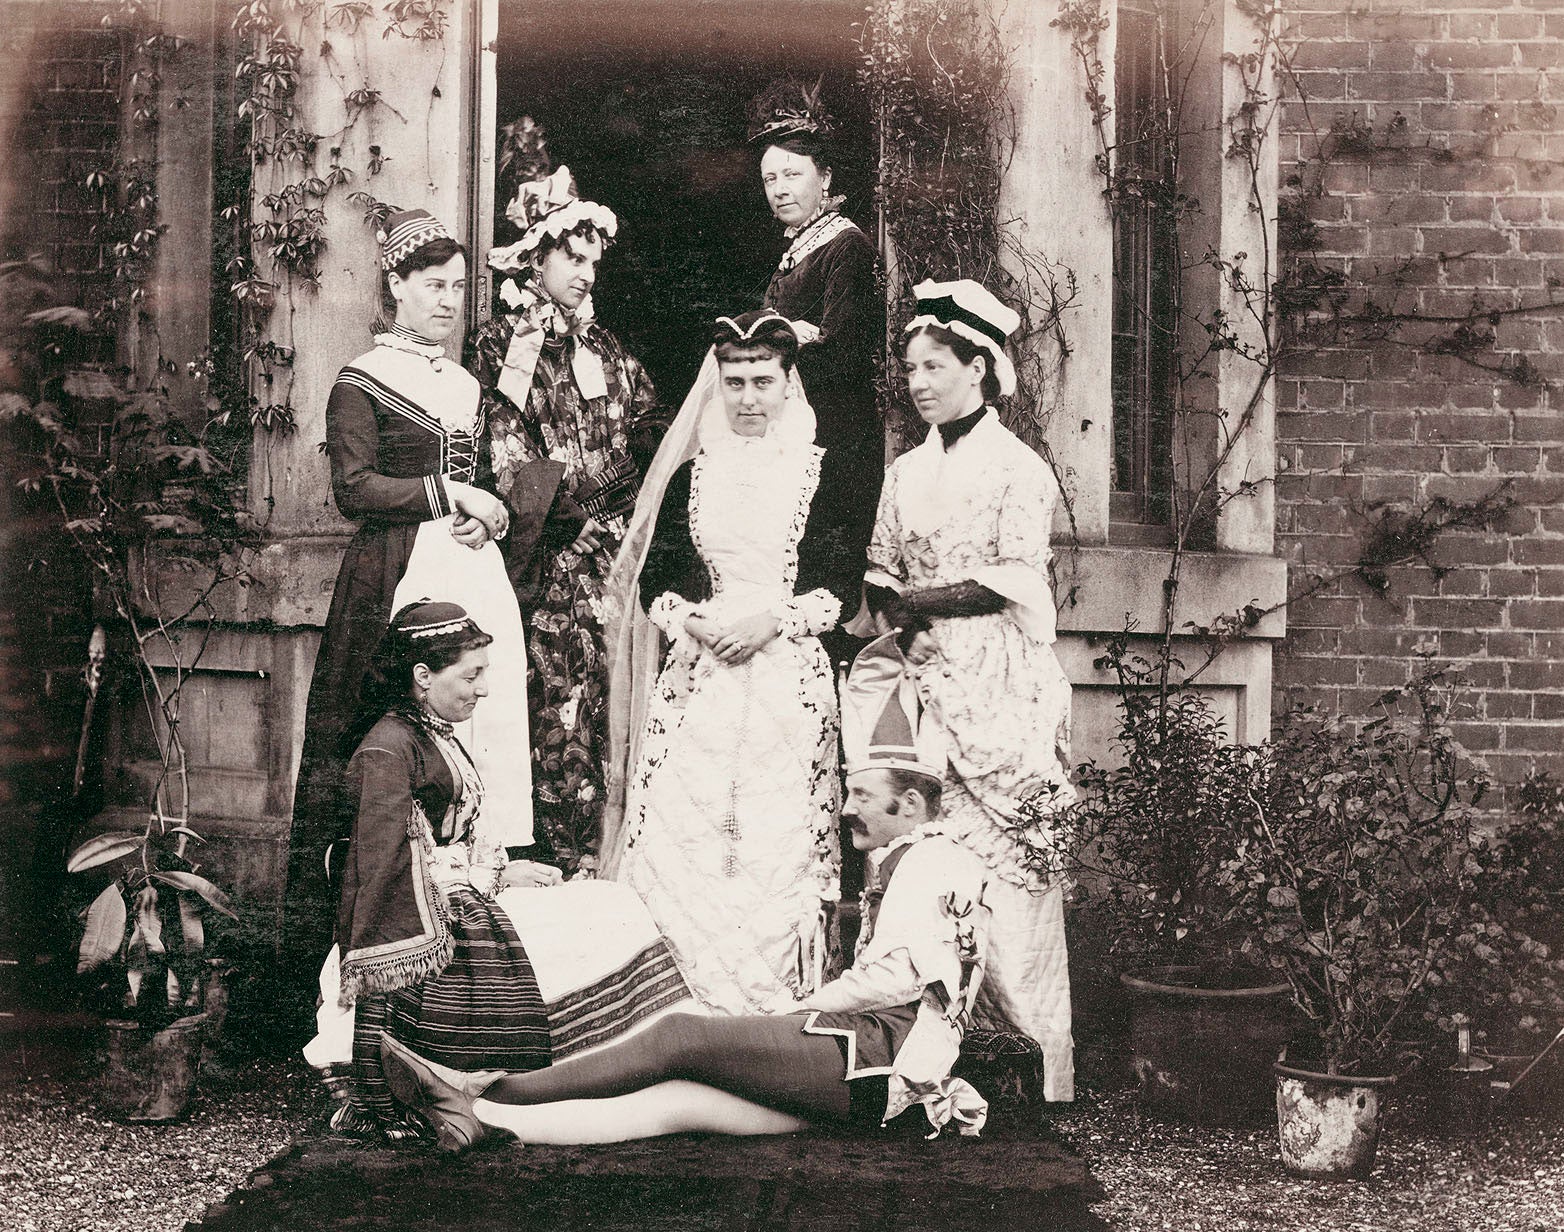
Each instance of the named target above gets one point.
<point>1145,269</point>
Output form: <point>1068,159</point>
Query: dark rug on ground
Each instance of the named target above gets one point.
<point>693,1183</point>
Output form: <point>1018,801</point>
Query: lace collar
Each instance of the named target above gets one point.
<point>749,448</point>
<point>816,234</point>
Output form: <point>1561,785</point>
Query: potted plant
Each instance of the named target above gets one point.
<point>1144,846</point>
<point>147,930</point>
<point>148,503</point>
<point>1357,872</point>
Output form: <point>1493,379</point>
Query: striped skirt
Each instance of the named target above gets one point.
<point>484,1011</point>
<point>592,970</point>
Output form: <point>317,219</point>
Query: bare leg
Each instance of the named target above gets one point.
<point>767,1061</point>
<point>666,1108</point>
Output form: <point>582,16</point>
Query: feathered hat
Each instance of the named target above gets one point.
<point>788,108</point>
<point>883,725</point>
<point>970,309</point>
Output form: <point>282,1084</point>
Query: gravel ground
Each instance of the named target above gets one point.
<point>63,1168</point>
<point>1509,1177</point>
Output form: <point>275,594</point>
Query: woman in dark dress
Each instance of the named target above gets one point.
<point>825,284</point>
<point>403,432</point>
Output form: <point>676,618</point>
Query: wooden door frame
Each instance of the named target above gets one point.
<point>484,77</point>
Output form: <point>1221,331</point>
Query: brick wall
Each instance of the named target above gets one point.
<point>1443,185</point>
<point>68,126</point>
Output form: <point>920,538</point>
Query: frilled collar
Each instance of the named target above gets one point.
<point>955,429</point>
<point>538,321</point>
<point>523,299</point>
<point>749,448</point>
<point>928,829</point>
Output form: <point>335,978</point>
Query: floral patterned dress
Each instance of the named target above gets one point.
<point>733,806</point>
<point>982,511</point>
<point>588,442</point>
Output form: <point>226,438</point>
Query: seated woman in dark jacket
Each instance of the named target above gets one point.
<point>432,910</point>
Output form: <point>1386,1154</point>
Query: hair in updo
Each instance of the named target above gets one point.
<point>774,337</point>
<point>814,146</point>
<point>965,351</point>
<point>425,256</point>
<point>388,688</point>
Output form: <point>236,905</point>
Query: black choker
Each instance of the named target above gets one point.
<point>955,429</point>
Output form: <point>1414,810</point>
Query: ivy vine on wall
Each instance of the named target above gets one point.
<point>304,165</point>
<point>937,73</point>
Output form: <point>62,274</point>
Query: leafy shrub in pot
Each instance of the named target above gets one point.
<point>1145,845</point>
<point>1147,840</point>
<point>1364,874</point>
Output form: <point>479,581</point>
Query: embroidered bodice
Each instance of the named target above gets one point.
<point>400,419</point>
<point>747,508</point>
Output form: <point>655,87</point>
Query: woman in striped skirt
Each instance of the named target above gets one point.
<point>433,912</point>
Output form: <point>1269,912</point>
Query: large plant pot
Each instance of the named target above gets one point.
<point>1328,1124</point>
<point>151,1073</point>
<point>1203,1043</point>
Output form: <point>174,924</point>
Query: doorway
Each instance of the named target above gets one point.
<point>646,101</point>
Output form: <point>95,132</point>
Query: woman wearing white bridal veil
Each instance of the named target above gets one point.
<point>727,755</point>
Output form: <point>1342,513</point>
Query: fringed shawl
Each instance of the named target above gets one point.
<point>393,924</point>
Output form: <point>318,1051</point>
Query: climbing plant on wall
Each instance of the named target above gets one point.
<point>1248,320</point>
<point>937,73</point>
<point>298,149</point>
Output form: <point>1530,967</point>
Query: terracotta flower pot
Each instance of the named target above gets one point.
<point>151,1073</point>
<point>1203,1042</point>
<point>1328,1124</point>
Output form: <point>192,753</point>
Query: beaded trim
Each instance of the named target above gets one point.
<point>434,630</point>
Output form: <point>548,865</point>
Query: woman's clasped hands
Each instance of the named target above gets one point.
<point>738,642</point>
<point>480,516</point>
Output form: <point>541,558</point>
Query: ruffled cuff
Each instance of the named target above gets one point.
<point>808,614</point>
<point>668,612</point>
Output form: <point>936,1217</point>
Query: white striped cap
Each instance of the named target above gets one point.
<point>407,231</point>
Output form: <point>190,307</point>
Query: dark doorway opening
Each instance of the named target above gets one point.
<point>646,102</point>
